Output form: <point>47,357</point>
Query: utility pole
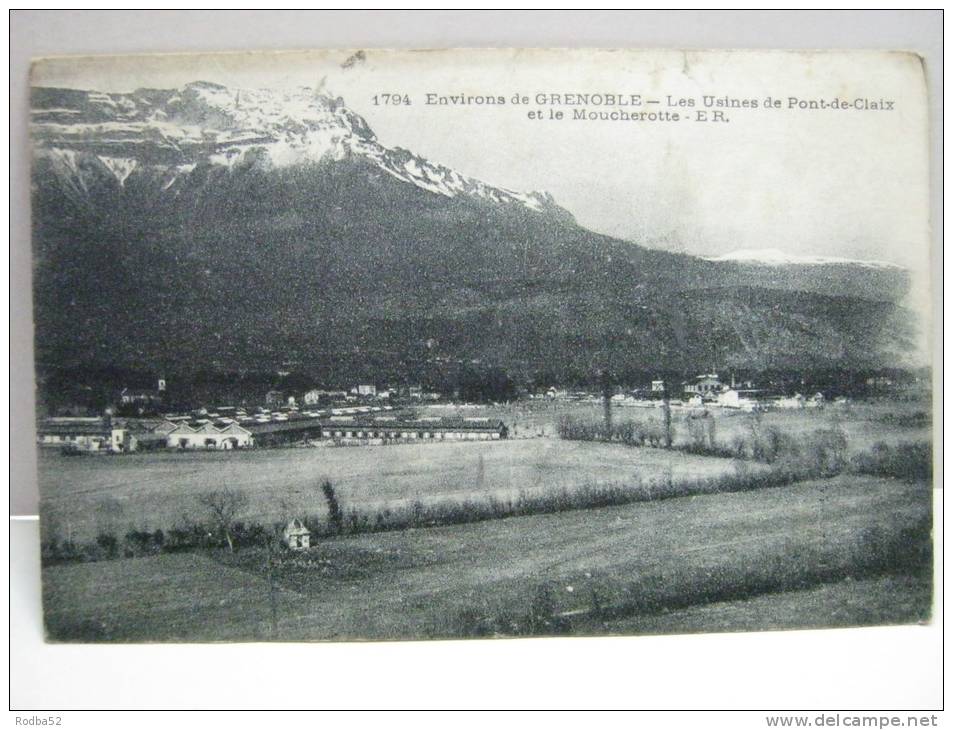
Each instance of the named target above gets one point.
<point>667,412</point>
<point>270,550</point>
<point>605,377</point>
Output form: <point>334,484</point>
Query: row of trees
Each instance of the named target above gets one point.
<point>224,506</point>
<point>631,433</point>
<point>221,524</point>
<point>822,451</point>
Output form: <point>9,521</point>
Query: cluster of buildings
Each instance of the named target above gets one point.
<point>138,423</point>
<point>206,431</point>
<point>142,401</point>
<point>362,414</point>
<point>108,435</point>
<point>702,391</point>
<point>360,393</point>
<point>708,389</point>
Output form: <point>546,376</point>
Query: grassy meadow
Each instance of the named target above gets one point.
<point>850,549</point>
<point>682,564</point>
<point>154,490</point>
<point>865,423</point>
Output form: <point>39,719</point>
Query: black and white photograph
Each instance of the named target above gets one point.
<point>487,344</point>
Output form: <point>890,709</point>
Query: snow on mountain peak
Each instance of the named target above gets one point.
<point>121,167</point>
<point>204,122</point>
<point>776,257</point>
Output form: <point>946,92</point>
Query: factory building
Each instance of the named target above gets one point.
<point>392,428</point>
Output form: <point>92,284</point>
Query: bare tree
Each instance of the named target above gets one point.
<point>224,506</point>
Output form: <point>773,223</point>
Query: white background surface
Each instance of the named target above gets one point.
<point>883,669</point>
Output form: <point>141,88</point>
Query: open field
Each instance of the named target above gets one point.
<point>814,553</point>
<point>146,491</point>
<point>885,599</point>
<point>446,581</point>
<point>154,490</point>
<point>865,423</point>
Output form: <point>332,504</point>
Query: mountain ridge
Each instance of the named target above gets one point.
<point>205,226</point>
<point>203,121</point>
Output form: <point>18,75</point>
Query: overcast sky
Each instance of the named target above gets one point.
<point>834,182</point>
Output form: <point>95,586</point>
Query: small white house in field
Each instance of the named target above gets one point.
<point>297,536</point>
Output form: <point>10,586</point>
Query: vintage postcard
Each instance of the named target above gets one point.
<point>363,345</point>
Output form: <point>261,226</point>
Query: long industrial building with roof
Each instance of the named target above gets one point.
<point>214,432</point>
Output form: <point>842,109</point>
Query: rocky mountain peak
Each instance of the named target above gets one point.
<point>171,131</point>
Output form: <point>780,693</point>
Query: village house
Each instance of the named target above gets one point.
<point>135,436</point>
<point>127,437</point>
<point>317,395</point>
<point>296,536</point>
<point>274,398</point>
<point>140,400</point>
<point>742,399</point>
<point>131,396</point>
<point>707,386</point>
